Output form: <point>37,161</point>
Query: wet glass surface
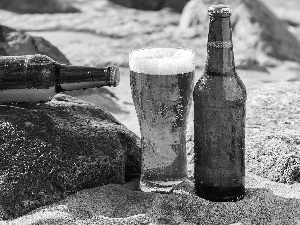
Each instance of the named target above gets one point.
<point>162,104</point>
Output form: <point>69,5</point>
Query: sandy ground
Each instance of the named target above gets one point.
<point>266,202</point>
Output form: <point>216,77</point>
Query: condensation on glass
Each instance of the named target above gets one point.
<point>161,81</point>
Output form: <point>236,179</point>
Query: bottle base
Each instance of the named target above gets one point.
<point>220,194</point>
<point>159,186</point>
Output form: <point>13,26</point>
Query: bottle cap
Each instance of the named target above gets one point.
<point>223,10</point>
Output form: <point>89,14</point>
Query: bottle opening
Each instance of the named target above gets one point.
<point>221,9</point>
<point>162,61</point>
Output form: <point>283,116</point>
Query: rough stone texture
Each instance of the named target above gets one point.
<point>51,150</point>
<point>38,6</point>
<point>254,27</point>
<point>13,42</point>
<point>116,204</point>
<point>176,5</point>
<point>273,131</point>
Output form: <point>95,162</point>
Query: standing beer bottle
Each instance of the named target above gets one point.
<point>36,78</point>
<point>219,123</point>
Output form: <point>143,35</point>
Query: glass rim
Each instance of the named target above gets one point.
<point>162,60</point>
<point>174,48</point>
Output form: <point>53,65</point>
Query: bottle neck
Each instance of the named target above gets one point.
<point>220,57</point>
<point>81,77</point>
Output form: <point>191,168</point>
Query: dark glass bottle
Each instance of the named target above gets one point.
<point>36,78</point>
<point>219,123</point>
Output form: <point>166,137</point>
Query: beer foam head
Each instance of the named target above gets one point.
<point>162,61</point>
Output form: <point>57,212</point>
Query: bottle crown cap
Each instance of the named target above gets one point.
<point>219,9</point>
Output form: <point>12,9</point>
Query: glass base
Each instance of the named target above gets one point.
<point>220,194</point>
<point>159,186</point>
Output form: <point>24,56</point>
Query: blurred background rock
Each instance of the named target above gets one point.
<point>14,42</point>
<point>38,6</point>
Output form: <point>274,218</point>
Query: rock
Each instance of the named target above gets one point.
<point>273,131</point>
<point>53,149</point>
<point>116,204</point>
<point>38,6</point>
<point>250,63</point>
<point>256,29</point>
<point>176,5</point>
<point>13,42</point>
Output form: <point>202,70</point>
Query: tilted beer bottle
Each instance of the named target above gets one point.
<point>36,78</point>
<point>219,123</point>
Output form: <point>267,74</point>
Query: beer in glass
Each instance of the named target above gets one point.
<point>162,81</point>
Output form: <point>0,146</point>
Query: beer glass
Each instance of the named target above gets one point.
<point>162,81</point>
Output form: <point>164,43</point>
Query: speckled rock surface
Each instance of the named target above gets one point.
<point>38,6</point>
<point>116,204</point>
<point>51,150</point>
<point>13,42</point>
<point>273,131</point>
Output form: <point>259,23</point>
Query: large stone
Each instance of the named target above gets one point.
<point>51,150</point>
<point>256,30</point>
<point>38,6</point>
<point>116,204</point>
<point>13,42</point>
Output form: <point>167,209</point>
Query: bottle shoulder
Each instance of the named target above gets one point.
<point>220,89</point>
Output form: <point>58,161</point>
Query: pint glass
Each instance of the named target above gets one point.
<point>162,81</point>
